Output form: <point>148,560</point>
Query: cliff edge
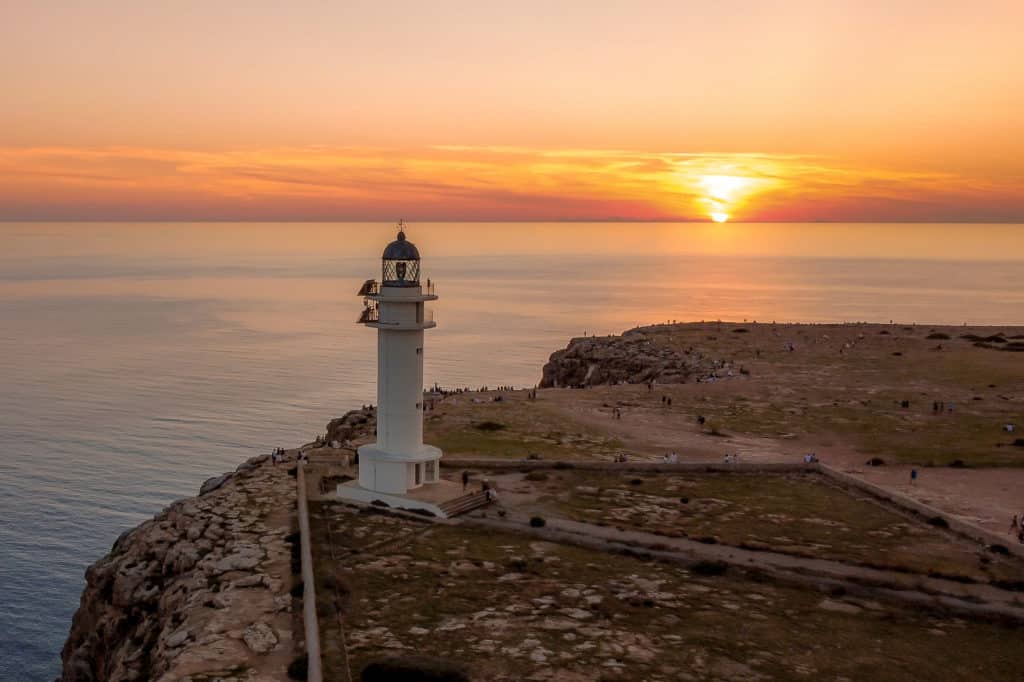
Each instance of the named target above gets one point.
<point>201,591</point>
<point>638,356</point>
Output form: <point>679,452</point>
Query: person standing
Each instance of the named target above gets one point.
<point>913,476</point>
<point>465,480</point>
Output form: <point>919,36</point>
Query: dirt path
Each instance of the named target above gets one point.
<point>907,587</point>
<point>986,497</point>
<point>648,428</point>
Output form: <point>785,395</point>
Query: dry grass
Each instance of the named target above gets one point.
<point>797,514</point>
<point>511,607</point>
<point>525,430</point>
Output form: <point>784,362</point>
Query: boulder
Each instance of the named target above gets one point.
<point>212,484</point>
<point>260,638</point>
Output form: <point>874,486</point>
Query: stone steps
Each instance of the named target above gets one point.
<point>461,505</point>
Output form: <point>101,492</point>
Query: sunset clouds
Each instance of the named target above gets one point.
<point>481,183</point>
<point>460,110</point>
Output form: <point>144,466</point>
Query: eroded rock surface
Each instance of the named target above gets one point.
<point>636,357</point>
<point>200,590</point>
<point>352,425</point>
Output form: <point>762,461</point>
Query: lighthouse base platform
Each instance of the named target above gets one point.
<point>397,473</point>
<point>430,497</point>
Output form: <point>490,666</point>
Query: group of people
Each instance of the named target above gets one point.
<point>620,458</point>
<point>277,456</point>
<point>732,459</point>
<point>938,407</point>
<point>671,457</point>
<point>486,487</point>
<point>811,458</point>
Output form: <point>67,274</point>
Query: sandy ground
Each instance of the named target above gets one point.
<point>839,393</point>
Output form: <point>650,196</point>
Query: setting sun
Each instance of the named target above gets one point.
<point>722,193</point>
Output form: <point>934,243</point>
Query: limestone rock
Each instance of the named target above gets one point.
<point>212,484</point>
<point>160,605</point>
<point>632,358</point>
<point>260,637</point>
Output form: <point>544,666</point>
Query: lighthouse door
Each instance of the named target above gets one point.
<point>419,473</point>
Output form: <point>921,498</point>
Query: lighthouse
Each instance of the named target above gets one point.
<point>399,461</point>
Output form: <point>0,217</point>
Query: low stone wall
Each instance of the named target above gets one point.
<point>956,524</point>
<point>647,467</point>
<point>314,672</point>
<point>796,578</point>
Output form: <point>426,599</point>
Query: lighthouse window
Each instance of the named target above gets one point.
<point>431,468</point>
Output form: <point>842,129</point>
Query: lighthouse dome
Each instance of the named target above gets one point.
<point>401,249</point>
<point>401,262</point>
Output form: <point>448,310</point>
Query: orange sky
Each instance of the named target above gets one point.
<point>787,111</point>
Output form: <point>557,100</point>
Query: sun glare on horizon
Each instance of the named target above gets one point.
<point>722,193</point>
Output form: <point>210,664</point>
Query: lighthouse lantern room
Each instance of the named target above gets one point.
<point>396,307</point>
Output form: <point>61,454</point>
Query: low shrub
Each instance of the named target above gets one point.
<point>938,522</point>
<point>955,577</point>
<point>875,462</point>
<point>489,426</point>
<point>536,476</point>
<point>336,584</point>
<point>710,568</point>
<point>415,668</point>
<point>537,521</point>
<point>1012,585</point>
<point>298,669</point>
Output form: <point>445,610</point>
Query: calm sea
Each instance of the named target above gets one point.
<point>138,360</point>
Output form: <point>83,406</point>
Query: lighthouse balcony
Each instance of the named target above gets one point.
<point>370,315</point>
<point>401,326</point>
<point>373,290</point>
<point>370,288</point>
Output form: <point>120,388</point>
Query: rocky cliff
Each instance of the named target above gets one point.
<point>201,591</point>
<point>353,425</point>
<point>209,589</point>
<point>636,357</point>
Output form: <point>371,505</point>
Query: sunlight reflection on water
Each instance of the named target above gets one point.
<point>136,361</point>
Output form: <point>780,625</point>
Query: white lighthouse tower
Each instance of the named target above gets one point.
<point>398,462</point>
